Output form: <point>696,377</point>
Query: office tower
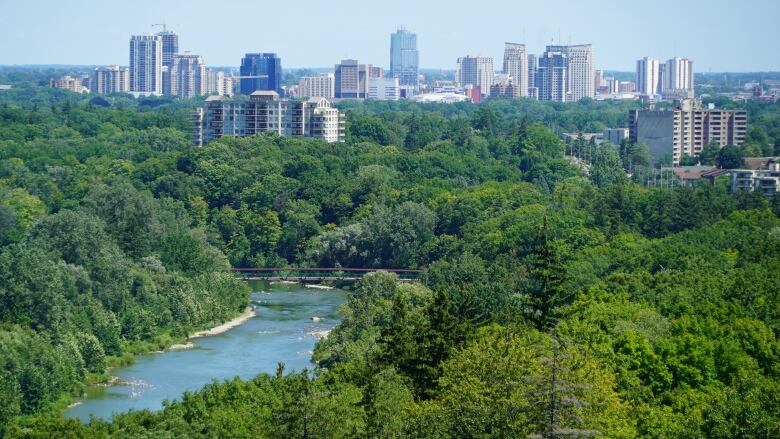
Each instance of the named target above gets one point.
<point>351,79</point>
<point>146,64</point>
<point>533,65</point>
<point>404,57</point>
<point>188,76</point>
<point>516,66</point>
<point>384,89</point>
<point>264,112</point>
<point>679,74</point>
<point>321,85</point>
<point>648,81</point>
<point>476,71</point>
<point>579,75</point>
<point>261,71</point>
<point>551,76</point>
<point>110,79</point>
<point>686,129</point>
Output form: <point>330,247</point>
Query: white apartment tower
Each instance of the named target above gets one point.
<point>679,74</point>
<point>516,66</point>
<point>476,71</point>
<point>110,79</point>
<point>323,85</point>
<point>146,64</point>
<point>188,76</point>
<point>648,78</point>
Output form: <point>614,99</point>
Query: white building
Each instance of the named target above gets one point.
<point>384,89</point>
<point>648,76</point>
<point>678,75</point>
<point>516,66</point>
<point>266,112</point>
<point>476,71</point>
<point>146,65</point>
<point>110,79</point>
<point>323,85</point>
<point>188,76</point>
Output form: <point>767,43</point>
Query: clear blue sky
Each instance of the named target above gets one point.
<point>719,35</point>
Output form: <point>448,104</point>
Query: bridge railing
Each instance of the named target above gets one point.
<point>347,274</point>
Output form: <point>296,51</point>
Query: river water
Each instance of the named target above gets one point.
<point>281,331</point>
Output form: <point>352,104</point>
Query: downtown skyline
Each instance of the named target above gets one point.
<point>60,37</point>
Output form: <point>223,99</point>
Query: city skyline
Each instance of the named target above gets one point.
<point>444,34</point>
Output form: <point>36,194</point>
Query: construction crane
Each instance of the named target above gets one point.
<point>165,29</point>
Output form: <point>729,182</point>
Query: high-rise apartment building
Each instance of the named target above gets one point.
<point>110,79</point>
<point>384,89</point>
<point>686,129</point>
<point>476,71</point>
<point>261,71</point>
<point>267,112</point>
<point>678,75</point>
<point>551,76</point>
<point>533,66</point>
<point>170,46</point>
<point>351,79</point>
<point>146,64</point>
<point>188,76</point>
<point>516,66</point>
<point>648,79</point>
<point>323,85</point>
<point>404,57</point>
<point>579,74</point>
<point>215,82</point>
<point>598,80</point>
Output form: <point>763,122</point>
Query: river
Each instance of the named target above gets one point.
<point>281,331</point>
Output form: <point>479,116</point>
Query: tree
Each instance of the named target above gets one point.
<point>547,275</point>
<point>730,157</point>
<point>607,168</point>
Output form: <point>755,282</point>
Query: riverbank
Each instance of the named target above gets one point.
<point>248,313</point>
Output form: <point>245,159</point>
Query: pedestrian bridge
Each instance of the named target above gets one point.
<point>320,274</point>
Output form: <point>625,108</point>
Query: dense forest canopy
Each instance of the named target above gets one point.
<point>554,302</point>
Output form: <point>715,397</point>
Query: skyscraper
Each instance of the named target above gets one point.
<point>579,75</point>
<point>404,57</point>
<point>351,79</point>
<point>146,64</point>
<point>476,71</point>
<point>533,65</point>
<point>516,66</point>
<point>551,76</point>
<point>110,79</point>
<point>679,74</point>
<point>170,46</point>
<point>261,71</point>
<point>648,80</point>
<point>188,76</point>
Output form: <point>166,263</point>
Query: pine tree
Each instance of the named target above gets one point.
<point>547,275</point>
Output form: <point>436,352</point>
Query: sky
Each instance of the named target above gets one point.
<point>718,35</point>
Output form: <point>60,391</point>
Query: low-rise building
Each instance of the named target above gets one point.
<point>267,112</point>
<point>384,89</point>
<point>765,181</point>
<point>69,83</point>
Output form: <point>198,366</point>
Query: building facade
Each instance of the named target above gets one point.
<point>476,71</point>
<point>351,79</point>
<point>188,76</point>
<point>686,129</point>
<point>533,66</point>
<point>267,112</point>
<point>384,89</point>
<point>551,76</point>
<point>146,67</point>
<point>68,83</point>
<point>678,76</point>
<point>404,57</point>
<point>766,181</point>
<point>110,79</point>
<point>579,70</point>
<point>261,71</point>
<point>516,66</point>
<point>648,79</point>
<point>323,85</point>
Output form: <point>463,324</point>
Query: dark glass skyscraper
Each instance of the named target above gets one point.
<point>261,71</point>
<point>404,57</point>
<point>170,46</point>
